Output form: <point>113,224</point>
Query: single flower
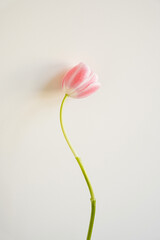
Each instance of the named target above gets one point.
<point>80,81</point>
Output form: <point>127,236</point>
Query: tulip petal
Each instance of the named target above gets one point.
<point>87,91</point>
<point>69,75</point>
<point>80,76</point>
<point>93,78</point>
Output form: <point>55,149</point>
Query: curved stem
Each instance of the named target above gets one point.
<point>64,133</point>
<point>93,200</point>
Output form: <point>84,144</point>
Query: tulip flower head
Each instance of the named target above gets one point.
<point>80,81</point>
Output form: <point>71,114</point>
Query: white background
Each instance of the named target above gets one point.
<point>115,131</point>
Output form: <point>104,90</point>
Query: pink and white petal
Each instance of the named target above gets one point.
<point>70,91</point>
<point>93,78</point>
<point>79,76</point>
<point>73,94</point>
<point>68,75</point>
<point>89,90</point>
<point>75,75</point>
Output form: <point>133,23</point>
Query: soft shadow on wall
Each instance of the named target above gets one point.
<point>32,90</point>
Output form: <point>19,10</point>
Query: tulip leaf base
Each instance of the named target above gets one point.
<point>93,200</point>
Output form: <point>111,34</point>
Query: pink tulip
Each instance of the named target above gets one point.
<point>80,81</point>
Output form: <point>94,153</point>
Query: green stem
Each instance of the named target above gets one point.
<point>93,200</point>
